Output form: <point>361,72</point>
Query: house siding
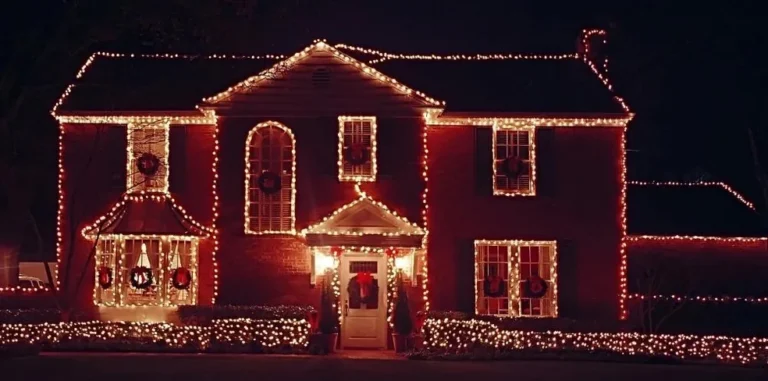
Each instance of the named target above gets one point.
<point>577,204</point>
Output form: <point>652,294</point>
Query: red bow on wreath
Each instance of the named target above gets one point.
<point>365,280</point>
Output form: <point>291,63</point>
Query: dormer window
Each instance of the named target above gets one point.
<point>147,164</point>
<point>514,161</point>
<point>357,148</point>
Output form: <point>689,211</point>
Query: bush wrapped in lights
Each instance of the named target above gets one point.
<point>448,337</point>
<point>225,335</point>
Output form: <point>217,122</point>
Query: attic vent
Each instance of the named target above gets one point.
<point>321,78</point>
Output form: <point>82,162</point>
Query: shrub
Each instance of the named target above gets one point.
<point>204,315</point>
<point>402,312</point>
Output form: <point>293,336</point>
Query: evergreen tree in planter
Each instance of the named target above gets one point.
<point>401,318</point>
<point>324,341</point>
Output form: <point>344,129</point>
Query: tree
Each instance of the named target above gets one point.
<point>654,274</point>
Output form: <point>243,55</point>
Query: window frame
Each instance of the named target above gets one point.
<point>498,190</point>
<point>119,263</point>
<point>248,202</point>
<point>131,185</point>
<point>513,281</point>
<point>355,177</point>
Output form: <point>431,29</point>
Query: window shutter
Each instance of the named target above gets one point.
<point>177,160</point>
<point>483,161</point>
<point>545,162</point>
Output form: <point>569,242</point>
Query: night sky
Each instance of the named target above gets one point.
<point>694,75</point>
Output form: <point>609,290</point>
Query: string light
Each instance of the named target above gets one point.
<point>24,290</point>
<point>208,118</point>
<point>93,230</point>
<point>623,287</point>
<point>135,181</point>
<point>586,35</point>
<point>248,175</point>
<point>385,56</point>
<point>281,66</point>
<point>437,119</point>
<point>640,238</point>
<point>215,207</point>
<point>720,184</point>
<point>369,177</point>
<point>425,219</point>
<point>702,299</point>
<point>449,335</point>
<point>531,133</point>
<point>223,333</point>
<point>323,228</point>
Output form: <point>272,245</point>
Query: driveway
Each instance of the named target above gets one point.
<point>141,367</point>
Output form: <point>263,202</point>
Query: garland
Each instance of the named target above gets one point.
<point>357,154</point>
<point>181,278</point>
<point>535,287</point>
<point>269,182</point>
<point>105,277</point>
<point>148,164</point>
<point>514,167</point>
<point>141,277</point>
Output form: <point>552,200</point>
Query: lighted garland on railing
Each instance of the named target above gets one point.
<point>465,335</point>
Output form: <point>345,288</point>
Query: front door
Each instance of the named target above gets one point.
<point>363,300</point>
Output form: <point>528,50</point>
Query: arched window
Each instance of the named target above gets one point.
<point>270,182</point>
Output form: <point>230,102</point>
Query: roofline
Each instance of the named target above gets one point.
<point>298,56</point>
<point>724,239</point>
<point>197,116</point>
<point>720,184</point>
<point>528,119</point>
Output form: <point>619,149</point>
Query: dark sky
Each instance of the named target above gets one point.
<point>695,74</point>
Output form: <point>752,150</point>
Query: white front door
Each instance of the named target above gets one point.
<point>363,300</point>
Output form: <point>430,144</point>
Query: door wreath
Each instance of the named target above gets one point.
<point>363,288</point>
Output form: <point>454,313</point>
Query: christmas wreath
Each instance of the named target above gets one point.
<point>148,164</point>
<point>513,167</point>
<point>494,286</point>
<point>105,277</point>
<point>141,277</point>
<point>269,182</point>
<point>363,288</point>
<point>357,154</point>
<point>535,287</point>
<point>181,278</point>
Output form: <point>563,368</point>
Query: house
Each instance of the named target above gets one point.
<point>494,183</point>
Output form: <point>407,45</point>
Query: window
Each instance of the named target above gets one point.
<point>170,262</point>
<point>270,188</point>
<point>147,167</point>
<point>514,161</point>
<point>516,278</point>
<point>357,148</point>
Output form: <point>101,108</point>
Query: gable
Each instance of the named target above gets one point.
<point>320,81</point>
<point>364,216</point>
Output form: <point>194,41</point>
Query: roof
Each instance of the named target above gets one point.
<point>516,85</point>
<point>153,214</point>
<point>564,83</point>
<point>690,209</point>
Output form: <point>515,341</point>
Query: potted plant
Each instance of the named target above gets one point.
<point>401,318</point>
<point>324,339</point>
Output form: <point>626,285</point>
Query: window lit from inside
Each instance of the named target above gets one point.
<point>514,162</point>
<point>516,278</point>
<point>270,167</point>
<point>146,271</point>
